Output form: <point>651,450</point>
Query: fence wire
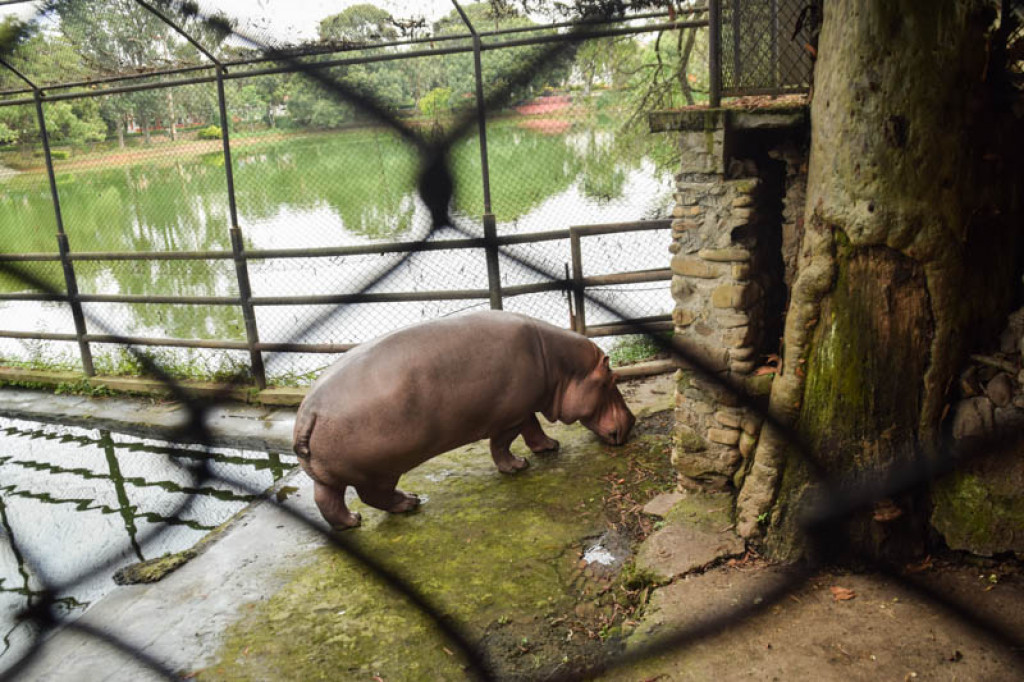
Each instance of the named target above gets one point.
<point>432,154</point>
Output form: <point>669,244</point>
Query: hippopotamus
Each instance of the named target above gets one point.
<point>391,404</point>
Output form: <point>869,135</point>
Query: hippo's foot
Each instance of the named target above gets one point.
<point>405,502</point>
<point>353,520</point>
<point>548,447</point>
<point>512,464</point>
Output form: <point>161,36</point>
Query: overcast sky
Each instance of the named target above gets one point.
<point>286,21</point>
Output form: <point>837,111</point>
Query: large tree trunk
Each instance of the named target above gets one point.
<point>908,258</point>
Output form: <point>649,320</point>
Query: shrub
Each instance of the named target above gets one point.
<point>55,154</point>
<point>211,132</point>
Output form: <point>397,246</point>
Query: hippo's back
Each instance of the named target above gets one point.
<point>392,403</point>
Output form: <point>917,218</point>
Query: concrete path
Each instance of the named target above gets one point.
<point>234,425</point>
<point>181,620</point>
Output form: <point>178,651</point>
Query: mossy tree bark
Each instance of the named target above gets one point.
<point>910,255</point>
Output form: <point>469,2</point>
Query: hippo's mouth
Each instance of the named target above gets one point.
<point>615,437</point>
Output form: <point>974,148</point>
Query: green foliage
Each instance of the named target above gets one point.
<point>636,348</point>
<point>211,132</point>
<point>55,154</point>
<point>358,23</point>
<point>436,102</point>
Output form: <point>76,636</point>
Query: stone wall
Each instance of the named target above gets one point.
<point>737,221</point>
<point>979,508</point>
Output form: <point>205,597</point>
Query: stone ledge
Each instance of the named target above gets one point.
<point>705,118</point>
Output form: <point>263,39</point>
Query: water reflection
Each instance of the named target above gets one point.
<point>342,188</point>
<point>73,498</point>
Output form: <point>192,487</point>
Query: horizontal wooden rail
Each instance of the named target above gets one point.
<point>371,297</point>
<point>334,251</point>
<point>641,325</point>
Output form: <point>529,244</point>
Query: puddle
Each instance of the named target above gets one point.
<point>598,555</point>
<point>72,500</point>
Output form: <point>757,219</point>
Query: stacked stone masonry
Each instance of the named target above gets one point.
<point>721,274</point>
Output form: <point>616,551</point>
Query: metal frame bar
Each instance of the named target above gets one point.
<point>361,250</point>
<point>715,52</point>
<point>489,221</point>
<point>333,49</point>
<point>70,282</point>
<point>539,40</point>
<point>577,286</point>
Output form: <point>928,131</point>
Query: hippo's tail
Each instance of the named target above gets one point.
<point>304,422</point>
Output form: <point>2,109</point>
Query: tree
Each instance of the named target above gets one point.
<point>436,103</point>
<point>362,23</point>
<point>909,248</point>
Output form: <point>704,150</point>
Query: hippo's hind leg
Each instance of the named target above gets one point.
<point>384,495</point>
<point>506,462</point>
<point>331,503</point>
<point>535,438</point>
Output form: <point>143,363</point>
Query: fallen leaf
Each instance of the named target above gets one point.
<point>842,593</point>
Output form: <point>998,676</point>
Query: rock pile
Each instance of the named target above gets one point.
<point>980,508</point>
<point>992,387</point>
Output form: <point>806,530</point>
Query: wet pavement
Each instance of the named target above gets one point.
<point>502,554</point>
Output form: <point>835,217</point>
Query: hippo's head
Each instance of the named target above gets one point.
<point>595,401</point>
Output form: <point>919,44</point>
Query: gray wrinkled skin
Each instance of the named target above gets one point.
<point>390,405</point>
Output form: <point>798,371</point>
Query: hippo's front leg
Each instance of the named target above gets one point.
<point>506,462</point>
<point>535,438</point>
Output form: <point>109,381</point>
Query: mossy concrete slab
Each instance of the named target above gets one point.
<point>270,599</point>
<point>698,532</point>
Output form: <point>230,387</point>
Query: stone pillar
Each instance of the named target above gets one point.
<point>726,257</point>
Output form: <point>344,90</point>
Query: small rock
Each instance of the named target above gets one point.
<point>661,504</point>
<point>678,549</point>
<point>973,417</point>
<point>724,436</point>
<point>1009,418</point>
<point>1000,389</point>
<point>969,384</point>
<point>730,418</point>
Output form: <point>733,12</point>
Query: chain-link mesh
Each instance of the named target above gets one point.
<point>433,155</point>
<point>768,47</point>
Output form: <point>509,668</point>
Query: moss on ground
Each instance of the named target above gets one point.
<point>498,554</point>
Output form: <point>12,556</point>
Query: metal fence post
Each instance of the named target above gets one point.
<point>238,247</point>
<point>70,281</point>
<point>715,52</point>
<point>577,280</point>
<point>490,224</point>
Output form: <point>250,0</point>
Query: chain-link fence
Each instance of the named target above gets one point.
<point>290,276</point>
<point>768,47</point>
<point>204,194</point>
<point>208,196</point>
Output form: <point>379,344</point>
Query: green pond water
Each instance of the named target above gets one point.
<point>78,504</point>
<point>327,189</point>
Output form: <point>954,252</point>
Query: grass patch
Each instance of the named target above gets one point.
<point>636,348</point>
